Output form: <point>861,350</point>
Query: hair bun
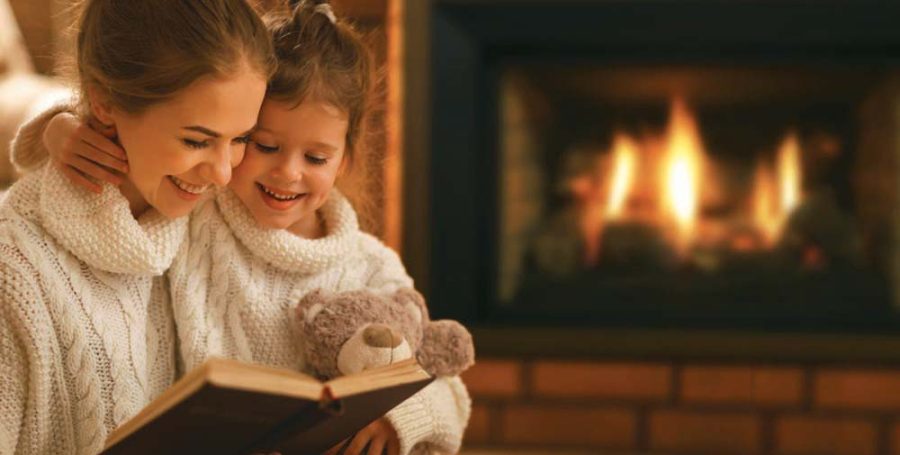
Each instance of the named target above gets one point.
<point>324,8</point>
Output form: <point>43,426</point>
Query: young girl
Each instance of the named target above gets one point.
<point>86,331</point>
<point>283,230</point>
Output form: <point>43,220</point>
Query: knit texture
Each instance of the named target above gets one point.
<point>232,303</point>
<point>83,346</point>
<point>81,219</point>
<point>27,151</point>
<point>235,286</point>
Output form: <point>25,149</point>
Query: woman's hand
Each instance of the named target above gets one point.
<point>85,153</point>
<point>380,437</point>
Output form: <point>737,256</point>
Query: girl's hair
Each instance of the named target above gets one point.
<point>323,58</point>
<point>139,53</point>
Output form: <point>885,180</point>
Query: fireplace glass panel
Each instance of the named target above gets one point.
<point>755,194</point>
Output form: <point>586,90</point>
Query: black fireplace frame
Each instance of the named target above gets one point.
<point>454,50</point>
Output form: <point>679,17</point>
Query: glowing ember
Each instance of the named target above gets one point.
<point>624,156</point>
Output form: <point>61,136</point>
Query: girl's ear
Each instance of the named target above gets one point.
<point>344,167</point>
<point>101,109</point>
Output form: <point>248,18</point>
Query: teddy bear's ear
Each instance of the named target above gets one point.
<point>414,303</point>
<point>310,305</point>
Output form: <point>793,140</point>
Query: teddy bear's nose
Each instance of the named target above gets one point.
<point>382,336</point>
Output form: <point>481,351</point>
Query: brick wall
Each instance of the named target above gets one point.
<point>685,408</point>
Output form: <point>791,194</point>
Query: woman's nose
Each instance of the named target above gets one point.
<point>218,167</point>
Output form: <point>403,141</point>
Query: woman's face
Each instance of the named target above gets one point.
<point>181,148</point>
<point>295,155</point>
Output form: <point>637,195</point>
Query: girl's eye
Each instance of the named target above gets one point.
<point>266,148</point>
<point>195,144</point>
<point>316,160</point>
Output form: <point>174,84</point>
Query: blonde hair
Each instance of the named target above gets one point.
<point>322,57</point>
<point>139,53</point>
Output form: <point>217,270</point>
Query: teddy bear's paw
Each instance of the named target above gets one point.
<point>373,345</point>
<point>447,348</point>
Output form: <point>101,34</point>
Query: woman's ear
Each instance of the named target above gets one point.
<point>101,109</point>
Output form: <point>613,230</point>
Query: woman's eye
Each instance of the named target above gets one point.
<point>266,148</point>
<point>316,160</point>
<point>242,140</point>
<point>195,144</point>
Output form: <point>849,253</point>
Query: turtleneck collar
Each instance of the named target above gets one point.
<point>287,251</point>
<point>101,231</point>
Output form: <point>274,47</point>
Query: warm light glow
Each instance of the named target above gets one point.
<point>789,172</point>
<point>665,180</point>
<point>684,151</point>
<point>766,214</point>
<point>624,157</point>
<point>773,201</point>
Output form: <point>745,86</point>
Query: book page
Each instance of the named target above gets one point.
<point>403,372</point>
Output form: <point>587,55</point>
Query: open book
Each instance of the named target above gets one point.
<point>230,407</point>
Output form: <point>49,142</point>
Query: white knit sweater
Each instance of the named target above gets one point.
<point>235,285</point>
<point>86,331</point>
<point>232,303</point>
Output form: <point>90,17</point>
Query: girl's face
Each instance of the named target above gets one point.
<point>295,155</point>
<point>179,149</point>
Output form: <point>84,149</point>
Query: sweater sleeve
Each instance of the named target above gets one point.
<point>385,270</point>
<point>27,151</point>
<point>13,365</point>
<point>12,388</point>
<point>434,419</point>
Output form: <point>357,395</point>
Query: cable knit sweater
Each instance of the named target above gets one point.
<point>86,330</point>
<point>235,285</point>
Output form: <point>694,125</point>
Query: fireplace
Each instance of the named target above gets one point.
<point>702,194</point>
<point>660,164</point>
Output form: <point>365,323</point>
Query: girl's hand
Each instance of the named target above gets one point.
<point>85,154</point>
<point>380,437</point>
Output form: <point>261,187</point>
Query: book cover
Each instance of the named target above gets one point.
<point>226,406</point>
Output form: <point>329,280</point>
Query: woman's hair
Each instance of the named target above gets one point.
<point>323,58</point>
<point>139,53</point>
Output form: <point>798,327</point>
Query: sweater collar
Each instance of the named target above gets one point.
<point>287,251</point>
<point>101,231</point>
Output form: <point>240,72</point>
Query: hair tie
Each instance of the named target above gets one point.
<point>325,8</point>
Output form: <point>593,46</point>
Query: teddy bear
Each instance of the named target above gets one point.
<point>348,332</point>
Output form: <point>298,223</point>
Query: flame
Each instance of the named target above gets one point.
<point>657,179</point>
<point>684,151</point>
<point>772,203</point>
<point>789,172</point>
<point>765,211</point>
<point>624,157</point>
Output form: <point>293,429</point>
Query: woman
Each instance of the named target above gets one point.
<point>86,332</point>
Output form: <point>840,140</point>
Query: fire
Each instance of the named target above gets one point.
<point>773,202</point>
<point>789,172</point>
<point>765,211</point>
<point>684,152</point>
<point>662,180</point>
<point>624,155</point>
